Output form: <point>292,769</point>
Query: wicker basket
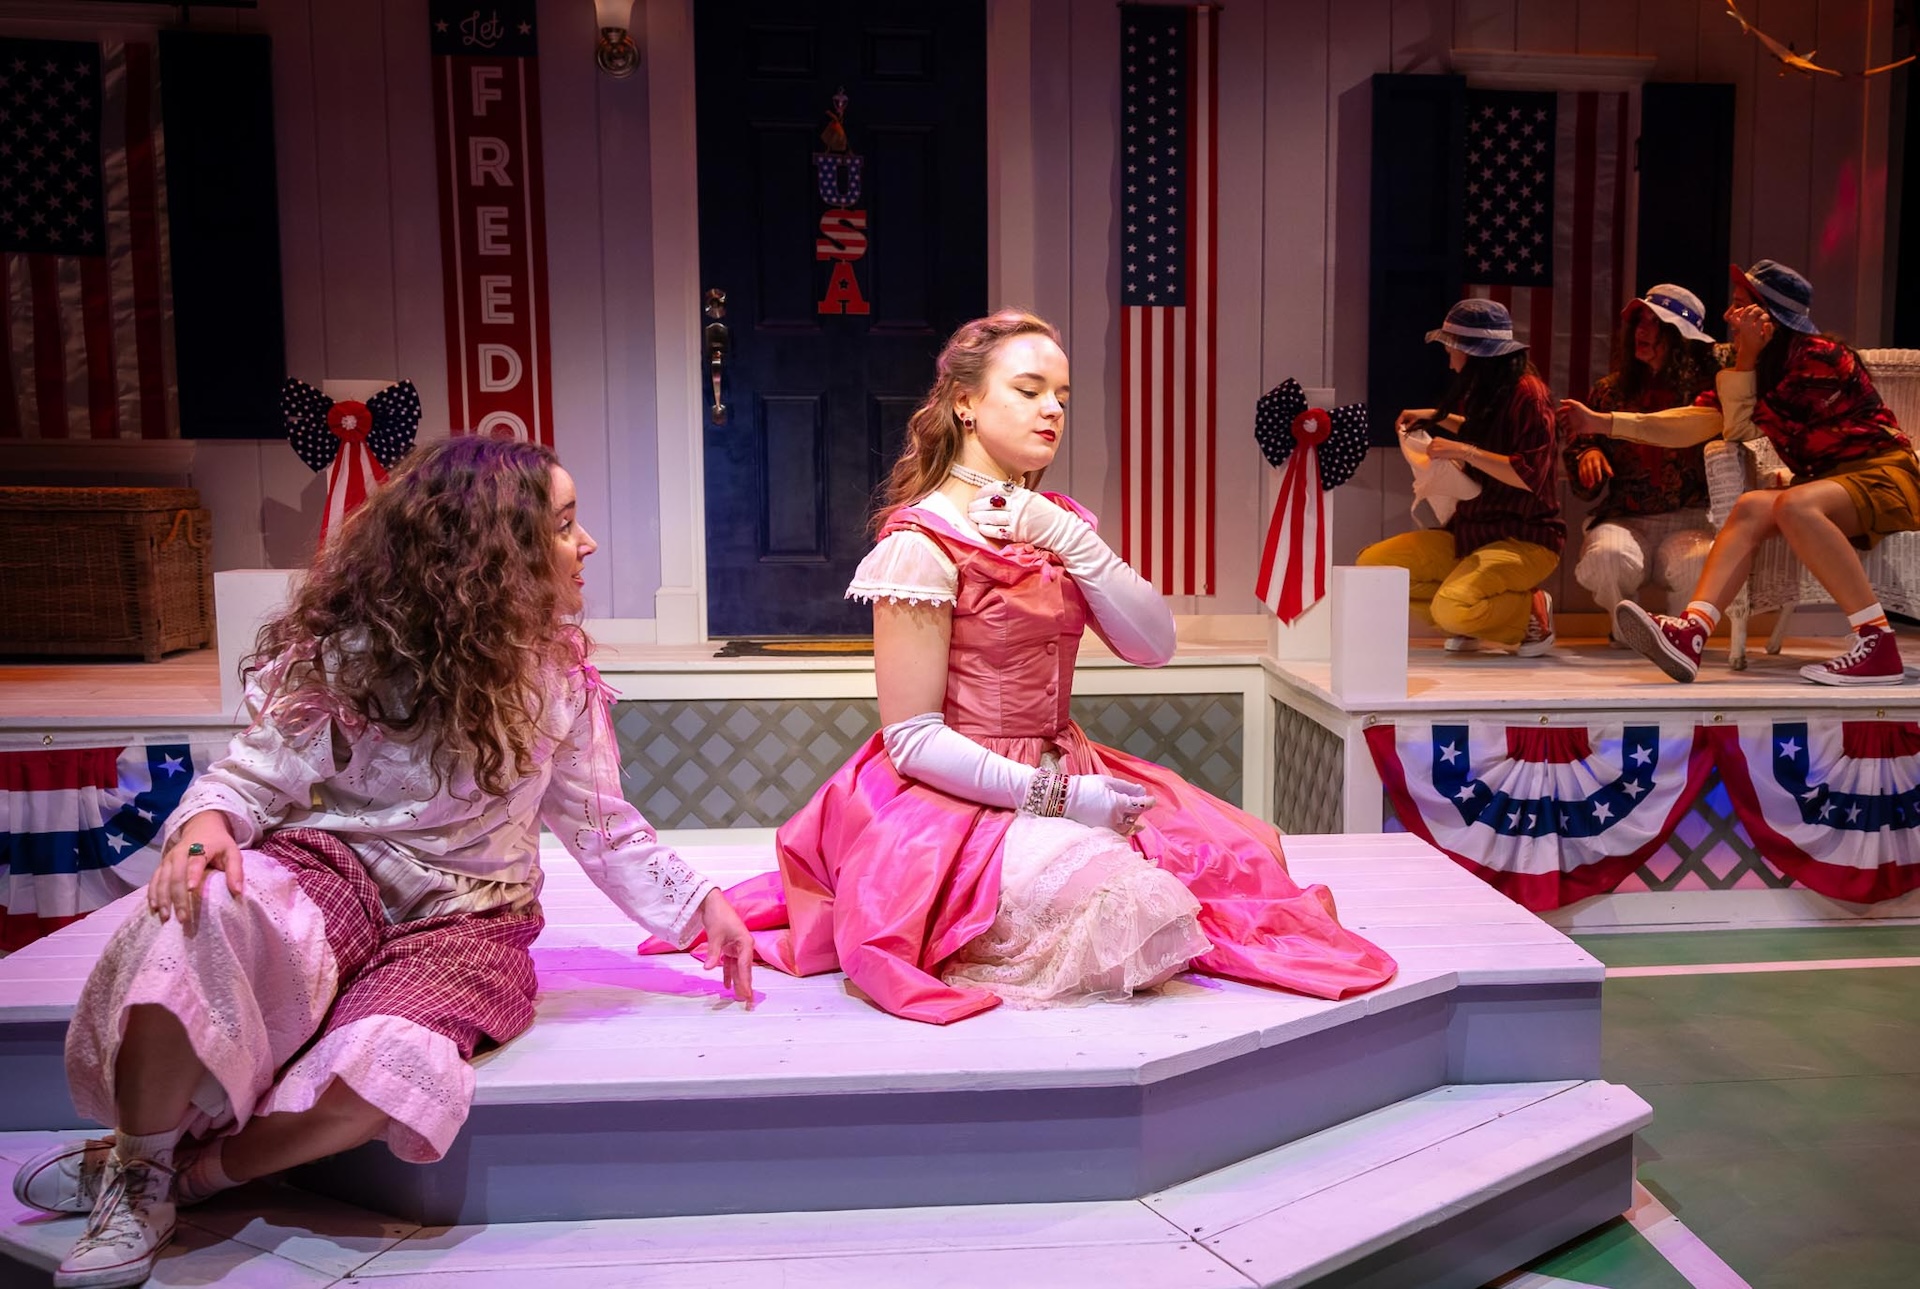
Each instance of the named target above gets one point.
<point>105,571</point>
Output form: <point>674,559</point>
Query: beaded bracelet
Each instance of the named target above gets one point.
<point>1046,794</point>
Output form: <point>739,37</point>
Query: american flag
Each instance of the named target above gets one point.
<point>1169,158</point>
<point>82,227</point>
<point>1546,216</point>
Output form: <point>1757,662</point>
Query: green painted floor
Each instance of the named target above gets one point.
<point>1786,1128</point>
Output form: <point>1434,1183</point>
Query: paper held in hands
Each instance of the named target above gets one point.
<point>1438,486</point>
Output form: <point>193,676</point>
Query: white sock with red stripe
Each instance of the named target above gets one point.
<point>1705,613</point>
<point>1871,618</point>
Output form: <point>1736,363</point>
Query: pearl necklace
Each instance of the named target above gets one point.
<point>977,479</point>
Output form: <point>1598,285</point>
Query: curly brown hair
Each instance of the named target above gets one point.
<point>934,432</point>
<point>1688,368</point>
<point>434,612</point>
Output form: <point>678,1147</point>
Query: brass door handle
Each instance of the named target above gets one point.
<point>717,339</point>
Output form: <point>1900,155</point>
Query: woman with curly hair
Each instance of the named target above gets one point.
<point>1652,511</point>
<point>980,849</point>
<point>345,902</point>
<point>1478,578</point>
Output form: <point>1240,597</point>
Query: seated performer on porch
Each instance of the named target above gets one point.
<point>980,848</point>
<point>1652,511</point>
<point>1478,578</point>
<point>1854,478</point>
<point>370,855</point>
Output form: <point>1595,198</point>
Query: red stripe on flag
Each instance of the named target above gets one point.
<point>1580,284</point>
<point>1143,433</point>
<point>49,351</point>
<point>1540,331</point>
<point>1126,434</point>
<point>1189,517</point>
<point>143,210</point>
<point>1502,296</point>
<point>1169,492</point>
<point>9,397</point>
<point>96,314</point>
<point>1621,290</point>
<point>1213,277</point>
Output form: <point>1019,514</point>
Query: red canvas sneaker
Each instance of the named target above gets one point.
<point>1540,635</point>
<point>1673,645</point>
<point>1873,660</point>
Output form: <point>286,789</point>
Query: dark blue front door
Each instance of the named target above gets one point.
<point>843,217</point>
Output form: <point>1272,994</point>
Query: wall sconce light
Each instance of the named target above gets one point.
<point>615,49</point>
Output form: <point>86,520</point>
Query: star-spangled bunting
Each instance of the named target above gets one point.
<point>1551,814</point>
<point>374,436</point>
<point>81,827</point>
<point>1320,450</point>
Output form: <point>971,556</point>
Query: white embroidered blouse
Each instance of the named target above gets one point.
<point>457,849</point>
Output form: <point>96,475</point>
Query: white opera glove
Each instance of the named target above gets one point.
<point>1133,617</point>
<point>1102,801</point>
<point>923,748</point>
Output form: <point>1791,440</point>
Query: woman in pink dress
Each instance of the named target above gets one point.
<point>980,849</point>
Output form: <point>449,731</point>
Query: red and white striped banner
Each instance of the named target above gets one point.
<point>1169,104</point>
<point>89,318</point>
<point>493,240</point>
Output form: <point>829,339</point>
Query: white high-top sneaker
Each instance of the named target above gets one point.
<point>132,1221</point>
<point>64,1178</point>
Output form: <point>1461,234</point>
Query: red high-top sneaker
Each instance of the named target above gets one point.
<point>1874,659</point>
<point>1673,645</point>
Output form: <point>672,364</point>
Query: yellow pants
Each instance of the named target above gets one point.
<point>1487,595</point>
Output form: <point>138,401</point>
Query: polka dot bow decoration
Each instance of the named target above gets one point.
<point>1320,450</point>
<point>356,443</point>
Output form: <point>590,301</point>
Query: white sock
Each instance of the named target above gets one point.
<point>1872,616</point>
<point>1706,612</point>
<point>202,1176</point>
<point>154,1146</point>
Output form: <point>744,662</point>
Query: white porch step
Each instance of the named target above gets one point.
<point>1367,1202</point>
<point>1296,1214</point>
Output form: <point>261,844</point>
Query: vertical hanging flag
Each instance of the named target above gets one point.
<point>493,239</point>
<point>1168,161</point>
<point>1546,220</point>
<point>82,243</point>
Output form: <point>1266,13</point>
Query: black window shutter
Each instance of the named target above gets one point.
<point>1686,191</point>
<point>223,226</point>
<point>1417,234</point>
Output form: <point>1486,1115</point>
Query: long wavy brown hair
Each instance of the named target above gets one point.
<point>434,612</point>
<point>1688,368</point>
<point>934,432</point>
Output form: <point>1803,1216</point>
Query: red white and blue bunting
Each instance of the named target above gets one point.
<point>1835,805</point>
<point>80,827</point>
<point>1545,814</point>
<point>1550,814</point>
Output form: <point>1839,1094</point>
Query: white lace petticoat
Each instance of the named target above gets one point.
<point>1083,917</point>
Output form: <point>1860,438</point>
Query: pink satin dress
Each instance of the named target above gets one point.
<point>892,881</point>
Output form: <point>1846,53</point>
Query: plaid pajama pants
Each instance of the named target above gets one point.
<point>302,981</point>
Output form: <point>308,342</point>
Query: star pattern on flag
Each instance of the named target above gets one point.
<point>52,192</point>
<point>1509,188</point>
<point>1153,166</point>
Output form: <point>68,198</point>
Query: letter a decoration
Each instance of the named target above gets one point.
<point>493,235</point>
<point>839,173</point>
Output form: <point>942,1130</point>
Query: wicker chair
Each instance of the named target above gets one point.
<point>1777,580</point>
